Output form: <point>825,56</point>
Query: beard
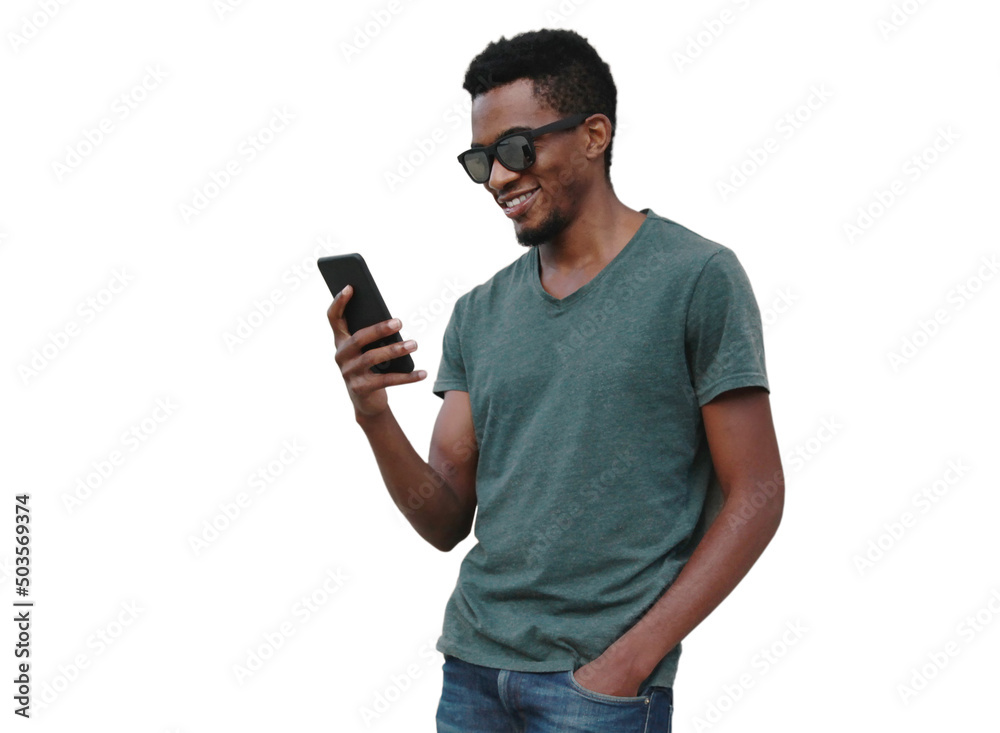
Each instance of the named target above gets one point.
<point>552,226</point>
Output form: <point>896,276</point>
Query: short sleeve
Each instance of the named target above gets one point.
<point>451,372</point>
<point>723,337</point>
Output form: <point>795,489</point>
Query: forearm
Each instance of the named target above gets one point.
<point>418,490</point>
<point>725,554</point>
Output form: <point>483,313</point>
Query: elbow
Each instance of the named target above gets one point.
<point>451,540</point>
<point>458,531</point>
<point>444,546</point>
<point>773,502</point>
<point>775,510</point>
<point>759,503</point>
<point>776,514</point>
<point>448,544</point>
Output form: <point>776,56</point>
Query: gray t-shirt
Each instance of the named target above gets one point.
<point>593,464</point>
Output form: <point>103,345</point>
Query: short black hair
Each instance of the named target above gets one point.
<point>567,74</point>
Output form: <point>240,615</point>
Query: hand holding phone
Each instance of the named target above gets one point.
<point>370,352</point>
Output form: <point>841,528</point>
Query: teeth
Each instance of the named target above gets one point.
<point>519,200</point>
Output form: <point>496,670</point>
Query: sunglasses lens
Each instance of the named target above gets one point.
<point>515,153</point>
<point>478,165</point>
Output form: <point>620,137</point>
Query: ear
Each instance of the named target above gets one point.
<point>598,135</point>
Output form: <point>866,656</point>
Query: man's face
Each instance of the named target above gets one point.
<point>557,173</point>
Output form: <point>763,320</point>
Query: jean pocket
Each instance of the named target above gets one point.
<point>600,696</point>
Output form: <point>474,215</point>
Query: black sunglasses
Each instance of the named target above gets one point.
<point>515,151</point>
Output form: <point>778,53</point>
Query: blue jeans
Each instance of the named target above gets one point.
<point>479,699</point>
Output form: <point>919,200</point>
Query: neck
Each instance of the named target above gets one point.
<point>602,227</point>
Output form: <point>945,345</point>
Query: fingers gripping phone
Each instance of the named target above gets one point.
<point>366,307</point>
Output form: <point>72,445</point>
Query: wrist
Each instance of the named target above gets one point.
<point>368,422</point>
<point>633,659</point>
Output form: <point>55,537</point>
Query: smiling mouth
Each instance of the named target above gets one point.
<point>517,206</point>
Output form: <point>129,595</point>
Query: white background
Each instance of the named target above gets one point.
<point>863,435</point>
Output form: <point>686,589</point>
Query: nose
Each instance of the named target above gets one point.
<point>500,177</point>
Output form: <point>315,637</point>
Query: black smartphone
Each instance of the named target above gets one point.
<point>366,307</point>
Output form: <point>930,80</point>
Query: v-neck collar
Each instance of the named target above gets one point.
<point>580,292</point>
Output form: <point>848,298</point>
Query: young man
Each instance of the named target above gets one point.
<point>595,391</point>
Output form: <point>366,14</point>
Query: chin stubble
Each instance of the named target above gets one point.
<point>554,224</point>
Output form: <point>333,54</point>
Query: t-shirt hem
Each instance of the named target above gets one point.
<point>747,379</point>
<point>465,655</point>
<point>666,677</point>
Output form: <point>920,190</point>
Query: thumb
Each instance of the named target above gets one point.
<point>335,313</point>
